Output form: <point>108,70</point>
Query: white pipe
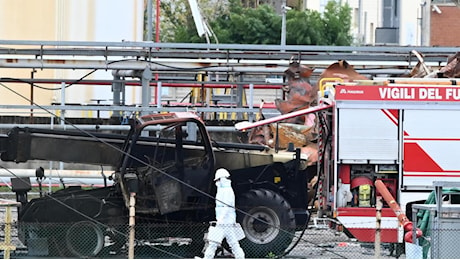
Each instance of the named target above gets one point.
<point>108,127</point>
<point>132,222</point>
<point>62,123</point>
<point>56,177</point>
<point>86,174</point>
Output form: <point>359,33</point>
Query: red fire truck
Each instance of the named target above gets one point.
<point>405,132</point>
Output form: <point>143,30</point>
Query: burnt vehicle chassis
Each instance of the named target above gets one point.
<point>171,175</point>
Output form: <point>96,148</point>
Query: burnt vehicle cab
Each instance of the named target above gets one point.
<point>168,162</point>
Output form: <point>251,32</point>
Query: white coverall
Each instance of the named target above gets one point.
<point>225,226</point>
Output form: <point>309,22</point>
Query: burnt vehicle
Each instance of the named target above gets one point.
<point>168,161</point>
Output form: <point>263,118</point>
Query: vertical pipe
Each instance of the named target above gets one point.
<point>159,94</point>
<point>364,28</point>
<point>7,244</point>
<point>251,101</point>
<point>157,22</point>
<point>378,215</point>
<point>132,222</point>
<point>32,97</point>
<point>426,23</point>
<point>123,93</point>
<point>360,10</point>
<point>62,117</point>
<point>61,164</point>
<point>50,177</point>
<point>283,26</point>
<point>319,170</point>
<point>116,90</point>
<point>149,20</point>
<point>146,91</point>
<point>157,35</point>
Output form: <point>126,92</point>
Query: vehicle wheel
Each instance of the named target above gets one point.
<point>84,239</point>
<point>268,222</point>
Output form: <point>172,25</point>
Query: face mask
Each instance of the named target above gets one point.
<point>223,182</point>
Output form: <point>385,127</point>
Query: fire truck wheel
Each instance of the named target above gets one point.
<point>268,222</point>
<point>84,239</point>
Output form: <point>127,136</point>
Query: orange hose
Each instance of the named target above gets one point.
<point>380,186</point>
<point>405,222</point>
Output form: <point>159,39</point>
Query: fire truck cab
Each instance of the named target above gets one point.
<point>405,132</point>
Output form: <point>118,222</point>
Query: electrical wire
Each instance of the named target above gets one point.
<point>132,157</point>
<point>138,160</point>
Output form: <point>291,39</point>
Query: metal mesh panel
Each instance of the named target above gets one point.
<point>88,239</point>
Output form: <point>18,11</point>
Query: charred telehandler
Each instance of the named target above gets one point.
<point>168,161</point>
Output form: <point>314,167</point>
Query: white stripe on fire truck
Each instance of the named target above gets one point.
<point>368,222</point>
<point>445,173</point>
<point>390,116</point>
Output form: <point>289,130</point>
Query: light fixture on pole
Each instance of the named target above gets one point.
<point>284,9</point>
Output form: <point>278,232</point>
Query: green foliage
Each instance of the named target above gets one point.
<point>233,23</point>
<point>177,22</point>
<point>309,27</point>
<point>305,28</point>
<point>248,25</point>
<point>338,22</point>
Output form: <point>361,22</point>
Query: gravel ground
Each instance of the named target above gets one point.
<point>321,243</point>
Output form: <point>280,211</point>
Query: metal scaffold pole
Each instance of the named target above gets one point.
<point>132,222</point>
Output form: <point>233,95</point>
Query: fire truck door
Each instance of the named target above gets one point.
<point>367,136</point>
<point>431,146</point>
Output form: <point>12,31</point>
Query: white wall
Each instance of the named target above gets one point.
<point>409,30</point>
<point>363,30</point>
<point>365,20</point>
<point>103,21</point>
<point>70,20</point>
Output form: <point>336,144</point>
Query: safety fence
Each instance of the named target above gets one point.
<point>92,239</point>
<point>438,243</point>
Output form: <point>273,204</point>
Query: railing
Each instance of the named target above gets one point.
<point>160,65</point>
<point>243,58</point>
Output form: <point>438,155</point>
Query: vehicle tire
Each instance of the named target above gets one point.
<point>84,239</point>
<point>268,223</point>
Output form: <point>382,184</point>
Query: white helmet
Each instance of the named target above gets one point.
<point>221,173</point>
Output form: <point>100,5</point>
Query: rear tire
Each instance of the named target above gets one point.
<point>268,223</point>
<point>84,239</point>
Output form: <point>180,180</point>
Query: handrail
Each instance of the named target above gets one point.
<point>226,47</point>
<point>226,52</point>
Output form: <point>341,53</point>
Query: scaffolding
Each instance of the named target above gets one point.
<point>153,66</point>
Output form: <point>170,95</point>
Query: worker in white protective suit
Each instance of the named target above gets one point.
<point>225,225</point>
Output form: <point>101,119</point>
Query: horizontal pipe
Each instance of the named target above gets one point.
<point>242,126</point>
<point>67,127</point>
<point>105,127</point>
<point>149,109</point>
<point>225,47</point>
<point>257,85</point>
<point>133,65</point>
<point>86,174</point>
<point>250,66</point>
